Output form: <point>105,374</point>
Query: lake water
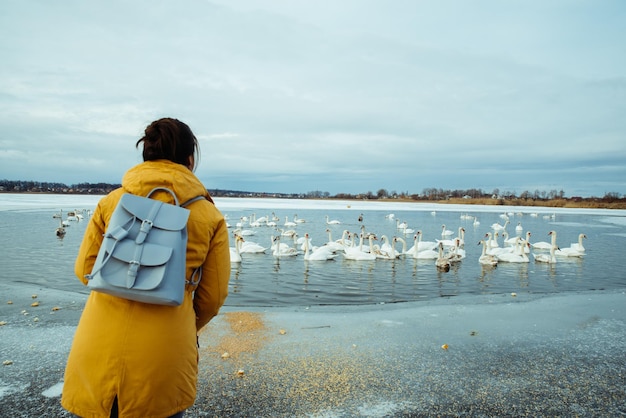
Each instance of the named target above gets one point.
<point>32,253</point>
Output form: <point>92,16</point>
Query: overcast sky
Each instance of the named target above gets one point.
<point>327,95</point>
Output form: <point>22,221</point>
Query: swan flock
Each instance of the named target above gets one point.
<point>445,251</point>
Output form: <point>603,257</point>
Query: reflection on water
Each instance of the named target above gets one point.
<point>33,253</point>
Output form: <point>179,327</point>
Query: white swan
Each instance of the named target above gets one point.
<point>275,241</point>
<point>288,222</point>
<point>497,227</point>
<point>426,253</point>
<point>387,251</point>
<point>323,253</point>
<point>338,245</point>
<point>419,245</point>
<point>366,235</point>
<point>445,232</point>
<point>542,245</point>
<point>282,250</point>
<point>331,222</point>
<point>386,244</point>
<point>486,259</point>
<point>492,241</point>
<point>235,256</point>
<point>358,254</point>
<point>401,241</point>
<point>546,258</point>
<point>453,242</point>
<point>288,233</point>
<point>456,254</point>
<point>401,225</point>
<point>524,241</point>
<point>271,224</point>
<point>301,240</point>
<point>578,246</point>
<point>64,222</point>
<point>568,252</point>
<point>251,247</point>
<point>517,256</point>
<point>519,228</point>
<point>254,222</point>
<point>244,232</point>
<point>461,236</point>
<point>508,241</point>
<point>501,250</point>
<point>298,220</point>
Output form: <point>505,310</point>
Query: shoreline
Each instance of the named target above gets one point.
<point>557,355</point>
<point>589,203</point>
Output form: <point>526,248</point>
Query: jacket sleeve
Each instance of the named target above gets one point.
<point>90,245</point>
<point>213,288</point>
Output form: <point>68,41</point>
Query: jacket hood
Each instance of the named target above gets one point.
<point>144,177</point>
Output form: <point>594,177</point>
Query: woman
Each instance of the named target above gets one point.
<point>136,359</point>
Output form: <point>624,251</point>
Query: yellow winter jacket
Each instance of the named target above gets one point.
<point>145,354</point>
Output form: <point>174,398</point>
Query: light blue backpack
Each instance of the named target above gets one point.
<point>143,253</point>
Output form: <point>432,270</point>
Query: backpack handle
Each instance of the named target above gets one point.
<point>188,202</point>
<point>165,189</point>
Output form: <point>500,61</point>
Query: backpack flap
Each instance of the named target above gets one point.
<point>132,266</point>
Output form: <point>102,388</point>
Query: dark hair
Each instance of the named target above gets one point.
<point>169,139</point>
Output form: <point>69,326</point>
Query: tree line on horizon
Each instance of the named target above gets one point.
<point>428,194</point>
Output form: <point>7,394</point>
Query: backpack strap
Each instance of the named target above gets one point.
<point>195,277</point>
<point>193,199</point>
<point>197,273</point>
